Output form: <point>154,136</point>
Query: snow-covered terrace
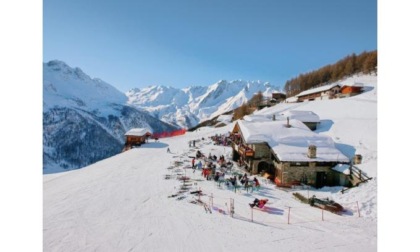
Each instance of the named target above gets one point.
<point>291,144</point>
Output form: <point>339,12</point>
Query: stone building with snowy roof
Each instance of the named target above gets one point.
<point>288,151</point>
<point>309,118</point>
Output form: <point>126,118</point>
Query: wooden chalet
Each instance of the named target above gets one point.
<point>348,90</point>
<point>278,97</point>
<point>136,137</point>
<point>320,93</point>
<point>288,152</point>
<point>255,155</point>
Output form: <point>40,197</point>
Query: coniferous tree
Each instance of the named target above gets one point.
<point>366,62</point>
<point>370,63</point>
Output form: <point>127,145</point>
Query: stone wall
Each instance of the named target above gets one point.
<point>261,150</point>
<point>307,172</point>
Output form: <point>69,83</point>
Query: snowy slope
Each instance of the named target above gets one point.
<point>122,204</point>
<point>187,107</point>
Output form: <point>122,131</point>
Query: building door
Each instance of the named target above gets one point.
<point>321,179</point>
<point>263,166</point>
<point>235,156</point>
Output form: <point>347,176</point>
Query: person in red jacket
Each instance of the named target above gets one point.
<point>262,202</point>
<point>258,202</point>
<point>256,183</point>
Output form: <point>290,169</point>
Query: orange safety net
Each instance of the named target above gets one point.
<point>169,133</point>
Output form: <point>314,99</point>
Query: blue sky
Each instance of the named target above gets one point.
<point>182,43</point>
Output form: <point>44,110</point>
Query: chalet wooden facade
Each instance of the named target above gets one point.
<point>256,157</point>
<point>278,97</point>
<point>275,99</point>
<point>283,153</point>
<point>320,93</point>
<point>136,137</point>
<point>350,90</point>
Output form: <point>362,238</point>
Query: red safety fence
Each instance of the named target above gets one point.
<point>169,133</point>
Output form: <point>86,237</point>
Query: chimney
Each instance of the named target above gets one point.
<point>312,151</point>
<point>288,124</point>
<point>274,117</point>
<point>357,159</point>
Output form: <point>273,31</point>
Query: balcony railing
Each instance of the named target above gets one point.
<point>246,151</point>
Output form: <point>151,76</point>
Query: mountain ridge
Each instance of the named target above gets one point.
<point>85,119</point>
<point>195,103</point>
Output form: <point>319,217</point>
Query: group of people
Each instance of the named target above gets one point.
<point>198,166</point>
<point>209,171</point>
<point>220,176</point>
<point>245,181</point>
<point>221,140</point>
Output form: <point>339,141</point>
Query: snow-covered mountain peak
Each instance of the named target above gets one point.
<point>71,87</point>
<point>58,65</point>
<point>84,119</point>
<point>176,106</point>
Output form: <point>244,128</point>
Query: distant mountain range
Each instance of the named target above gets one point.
<point>189,106</point>
<point>84,118</point>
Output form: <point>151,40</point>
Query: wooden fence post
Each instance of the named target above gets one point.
<point>232,207</point>
<point>358,211</point>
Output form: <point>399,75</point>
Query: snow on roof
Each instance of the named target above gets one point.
<point>291,144</point>
<point>137,132</point>
<point>257,118</point>
<point>318,89</point>
<point>266,131</point>
<point>302,115</point>
<point>225,118</point>
<point>352,83</point>
<point>343,168</point>
<point>292,99</point>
